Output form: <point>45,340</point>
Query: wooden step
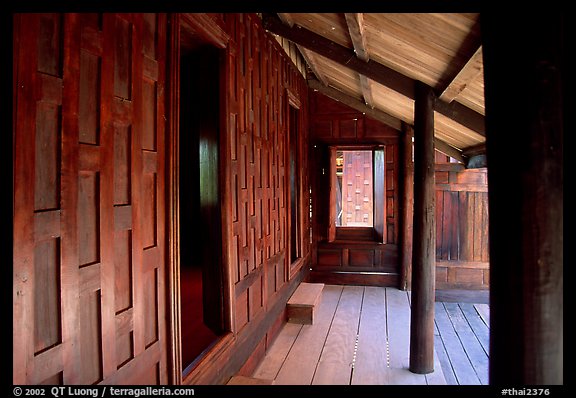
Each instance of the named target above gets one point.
<point>248,381</point>
<point>302,303</point>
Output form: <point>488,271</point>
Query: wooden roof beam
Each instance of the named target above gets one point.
<point>286,18</point>
<point>310,59</point>
<point>308,56</point>
<point>379,115</point>
<point>479,149</point>
<point>371,69</point>
<point>355,24</point>
<point>353,103</point>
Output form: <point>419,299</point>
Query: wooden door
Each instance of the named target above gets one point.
<point>89,199</point>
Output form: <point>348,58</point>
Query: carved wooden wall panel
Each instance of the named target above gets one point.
<point>89,189</point>
<point>259,80</point>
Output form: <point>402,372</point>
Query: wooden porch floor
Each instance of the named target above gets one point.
<point>354,342</point>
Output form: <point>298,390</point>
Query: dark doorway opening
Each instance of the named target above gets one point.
<point>199,196</point>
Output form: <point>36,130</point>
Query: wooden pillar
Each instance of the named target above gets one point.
<point>524,148</point>
<point>407,209</point>
<point>424,245</point>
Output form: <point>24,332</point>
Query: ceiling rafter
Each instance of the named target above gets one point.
<point>471,70</point>
<point>379,115</point>
<point>354,103</point>
<point>355,22</point>
<point>371,69</point>
<point>308,55</point>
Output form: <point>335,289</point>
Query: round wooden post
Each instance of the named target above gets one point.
<point>424,244</point>
<point>407,210</point>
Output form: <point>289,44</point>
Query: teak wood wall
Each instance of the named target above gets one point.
<point>261,81</point>
<point>89,199</point>
<point>462,259</point>
<point>91,127</point>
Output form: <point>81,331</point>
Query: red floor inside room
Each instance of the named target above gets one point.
<point>196,336</point>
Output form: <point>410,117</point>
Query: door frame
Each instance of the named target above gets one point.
<point>211,33</point>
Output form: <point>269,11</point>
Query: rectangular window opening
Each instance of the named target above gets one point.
<point>354,189</point>
<point>358,192</point>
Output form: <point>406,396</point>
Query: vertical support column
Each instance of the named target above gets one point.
<point>525,196</point>
<point>407,209</point>
<point>424,249</point>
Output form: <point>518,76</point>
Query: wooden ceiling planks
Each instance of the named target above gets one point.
<point>330,25</point>
<point>393,103</point>
<point>423,46</point>
<point>454,133</point>
<point>441,50</point>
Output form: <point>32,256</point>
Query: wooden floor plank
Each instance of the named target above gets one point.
<point>398,327</point>
<point>463,369</point>
<point>437,376</point>
<point>476,354</point>
<point>478,326</point>
<point>484,312</point>
<point>377,357</point>
<point>301,362</point>
<point>370,366</point>
<point>445,364</point>
<point>278,351</point>
<point>335,365</point>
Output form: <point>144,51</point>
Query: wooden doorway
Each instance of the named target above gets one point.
<point>199,228</point>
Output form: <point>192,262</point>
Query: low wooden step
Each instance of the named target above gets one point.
<point>248,381</point>
<point>301,305</point>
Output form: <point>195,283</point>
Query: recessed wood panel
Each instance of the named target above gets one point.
<point>329,257</point>
<point>349,128</point>
<point>255,298</point>
<point>123,58</point>
<point>89,222</point>
<point>124,348</point>
<point>270,275</point>
<point>150,310</point>
<point>235,258</point>
<point>322,129</point>
<point>465,275</point>
<point>122,147</point>
<point>149,115</point>
<point>53,380</point>
<point>361,258</point>
<point>148,221</point>
<point>50,44</point>
<point>47,154</point>
<point>89,117</point>
<point>149,35</point>
<point>441,275</point>
<point>90,338</point>
<point>241,311</point>
<point>47,321</point>
<point>122,270</point>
